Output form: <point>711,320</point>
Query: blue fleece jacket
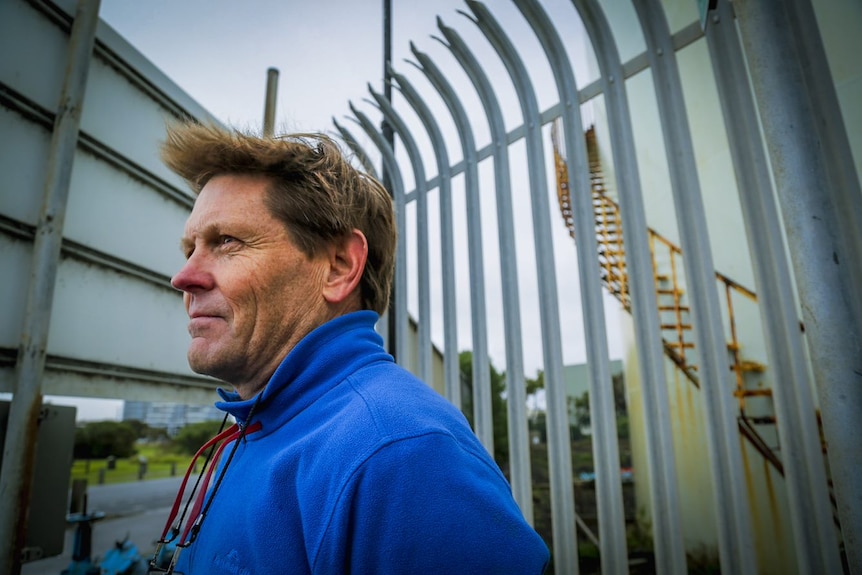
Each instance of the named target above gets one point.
<point>359,467</point>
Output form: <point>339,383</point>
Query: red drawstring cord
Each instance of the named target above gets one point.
<point>202,493</point>
<point>229,434</point>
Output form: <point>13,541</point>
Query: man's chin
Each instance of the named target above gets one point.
<point>202,361</point>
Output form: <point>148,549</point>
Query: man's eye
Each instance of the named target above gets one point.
<point>226,240</point>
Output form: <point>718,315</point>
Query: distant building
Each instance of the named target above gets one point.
<point>577,378</point>
<point>169,416</point>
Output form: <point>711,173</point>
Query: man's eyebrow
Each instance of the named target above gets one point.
<point>186,244</point>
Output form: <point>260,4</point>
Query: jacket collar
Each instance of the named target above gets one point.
<point>319,362</point>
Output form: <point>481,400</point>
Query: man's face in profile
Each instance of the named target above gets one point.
<point>250,293</point>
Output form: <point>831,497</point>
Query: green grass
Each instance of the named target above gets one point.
<point>159,466</point>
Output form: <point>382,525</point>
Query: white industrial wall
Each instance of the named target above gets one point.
<point>117,327</point>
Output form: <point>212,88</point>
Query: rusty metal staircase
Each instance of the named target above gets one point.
<point>757,425</point>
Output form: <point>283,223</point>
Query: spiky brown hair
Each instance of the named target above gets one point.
<point>315,191</point>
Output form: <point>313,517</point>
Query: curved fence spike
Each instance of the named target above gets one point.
<point>559,445</point>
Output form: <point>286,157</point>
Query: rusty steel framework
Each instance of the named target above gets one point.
<point>670,296</point>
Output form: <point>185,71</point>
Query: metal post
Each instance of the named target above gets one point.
<point>559,446</point>
<point>735,536</point>
<point>389,139</point>
<point>424,274</point>
<point>451,364</point>
<point>821,257</point>
<point>834,149</point>
<point>269,106</point>
<point>519,467</point>
<point>398,325</point>
<point>19,449</point>
<point>815,546</point>
<point>661,461</point>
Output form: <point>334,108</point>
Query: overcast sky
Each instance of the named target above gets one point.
<point>327,53</point>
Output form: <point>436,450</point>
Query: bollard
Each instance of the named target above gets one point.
<point>142,467</point>
<point>173,469</point>
<point>102,476</point>
<point>79,491</point>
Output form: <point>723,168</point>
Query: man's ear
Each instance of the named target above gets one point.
<point>347,259</point>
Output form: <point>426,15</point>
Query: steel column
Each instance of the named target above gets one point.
<point>735,537</point>
<point>834,150</point>
<point>19,449</point>
<point>559,446</point>
<point>816,547</point>
<point>835,153</point>
<point>400,319</point>
<point>424,275</point>
<point>520,478</point>
<point>451,364</point>
<point>661,461</point>
<point>609,496</point>
<point>822,259</point>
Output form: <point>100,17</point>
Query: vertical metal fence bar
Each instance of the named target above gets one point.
<point>559,447</point>
<point>821,257</point>
<point>505,217</point>
<point>612,528</point>
<point>735,536</point>
<point>356,149</point>
<point>451,365</point>
<point>801,452</point>
<point>666,527</point>
<point>519,471</point>
<point>19,449</point>
<point>396,181</point>
<point>424,275</point>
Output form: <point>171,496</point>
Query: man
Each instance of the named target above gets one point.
<point>342,462</point>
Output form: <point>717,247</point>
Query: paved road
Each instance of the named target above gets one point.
<point>137,510</point>
<point>122,499</point>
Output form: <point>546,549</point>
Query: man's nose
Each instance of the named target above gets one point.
<point>193,276</point>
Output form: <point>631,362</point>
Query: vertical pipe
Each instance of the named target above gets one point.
<point>451,364</point>
<point>559,446</point>
<point>801,452</point>
<point>834,149</point>
<point>519,467</point>
<point>661,461</point>
<point>270,104</point>
<point>822,259</point>
<point>389,138</point>
<point>19,449</point>
<point>424,274</point>
<point>735,537</point>
<point>398,324</point>
<point>609,495</point>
